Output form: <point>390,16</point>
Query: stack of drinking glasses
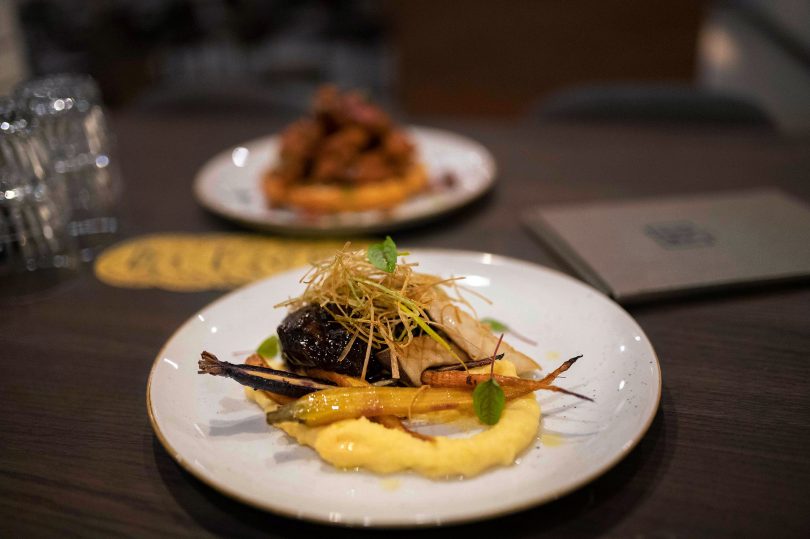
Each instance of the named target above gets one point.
<point>59,184</point>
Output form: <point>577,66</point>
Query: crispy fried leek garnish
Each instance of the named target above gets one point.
<point>383,309</point>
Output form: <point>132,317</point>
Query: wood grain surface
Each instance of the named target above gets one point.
<point>727,455</point>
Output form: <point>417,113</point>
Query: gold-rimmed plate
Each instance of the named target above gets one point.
<point>214,432</point>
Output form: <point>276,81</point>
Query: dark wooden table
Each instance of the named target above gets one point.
<point>727,455</point>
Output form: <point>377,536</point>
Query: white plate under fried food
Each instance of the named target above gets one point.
<point>457,170</point>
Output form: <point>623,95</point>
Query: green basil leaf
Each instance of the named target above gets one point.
<point>384,255</point>
<point>390,252</point>
<point>495,325</point>
<point>269,347</point>
<point>376,256</point>
<point>488,401</point>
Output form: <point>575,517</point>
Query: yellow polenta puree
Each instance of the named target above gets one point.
<point>360,443</point>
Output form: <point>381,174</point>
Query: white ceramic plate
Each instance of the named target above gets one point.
<point>210,428</point>
<point>229,185</point>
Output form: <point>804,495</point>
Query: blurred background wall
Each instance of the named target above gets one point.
<point>506,58</point>
<point>485,57</point>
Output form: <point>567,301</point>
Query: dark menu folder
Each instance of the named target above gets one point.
<point>644,249</point>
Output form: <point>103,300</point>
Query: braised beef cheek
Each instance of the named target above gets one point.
<point>311,338</point>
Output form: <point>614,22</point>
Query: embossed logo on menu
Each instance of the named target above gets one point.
<point>679,235</point>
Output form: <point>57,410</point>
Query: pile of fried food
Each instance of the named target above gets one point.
<point>346,156</point>
<point>365,350</point>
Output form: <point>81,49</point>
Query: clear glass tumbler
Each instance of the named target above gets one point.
<point>68,112</point>
<point>36,248</point>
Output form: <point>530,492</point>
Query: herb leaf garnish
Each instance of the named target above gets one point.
<point>383,255</point>
<point>488,397</point>
<point>488,401</point>
<point>269,347</point>
<point>495,325</point>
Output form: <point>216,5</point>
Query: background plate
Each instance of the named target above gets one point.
<point>229,185</point>
<point>214,432</point>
